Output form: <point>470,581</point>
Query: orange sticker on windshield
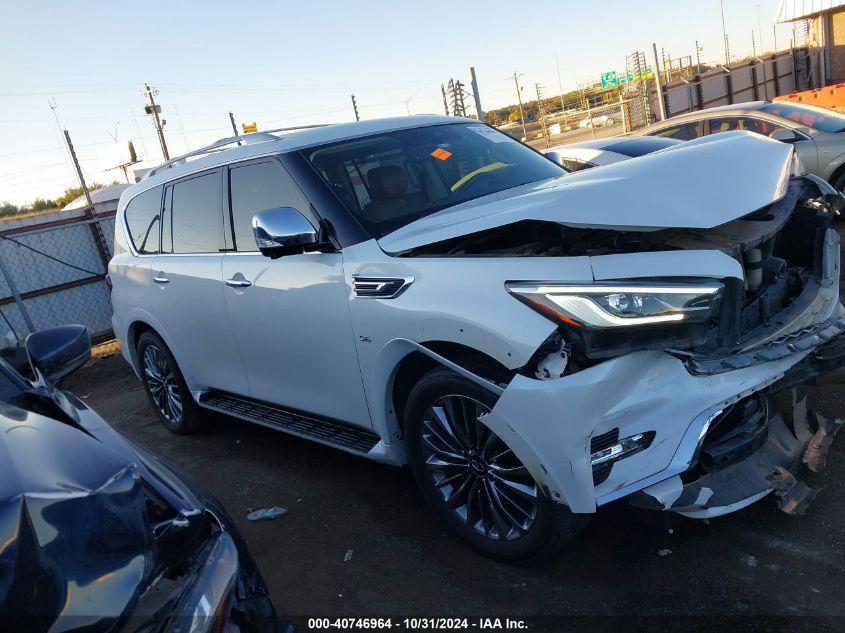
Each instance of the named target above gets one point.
<point>441,153</point>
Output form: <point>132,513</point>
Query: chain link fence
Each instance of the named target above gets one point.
<point>53,274</point>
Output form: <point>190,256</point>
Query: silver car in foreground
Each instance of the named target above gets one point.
<point>816,133</point>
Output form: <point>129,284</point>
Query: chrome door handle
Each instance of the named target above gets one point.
<point>238,283</point>
<point>161,279</point>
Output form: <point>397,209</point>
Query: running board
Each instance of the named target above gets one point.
<point>322,430</point>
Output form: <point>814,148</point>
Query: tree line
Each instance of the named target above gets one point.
<point>38,205</point>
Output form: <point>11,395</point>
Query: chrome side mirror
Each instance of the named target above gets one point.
<point>283,231</point>
<point>55,353</point>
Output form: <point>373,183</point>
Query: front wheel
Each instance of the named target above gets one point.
<point>473,480</point>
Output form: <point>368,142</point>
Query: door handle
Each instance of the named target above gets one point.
<point>238,283</point>
<point>161,279</point>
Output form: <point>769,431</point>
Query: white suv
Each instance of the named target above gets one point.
<point>428,291</point>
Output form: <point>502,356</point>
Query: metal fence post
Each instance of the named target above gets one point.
<point>13,288</point>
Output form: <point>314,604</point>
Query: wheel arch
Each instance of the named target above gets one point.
<point>403,362</point>
<point>136,328</point>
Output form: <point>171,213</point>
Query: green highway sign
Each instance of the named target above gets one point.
<point>613,79</point>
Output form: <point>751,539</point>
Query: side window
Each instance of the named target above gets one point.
<point>726,124</point>
<point>685,132</point>
<point>193,215</point>
<point>573,164</point>
<point>762,127</point>
<point>258,186</point>
<point>142,218</point>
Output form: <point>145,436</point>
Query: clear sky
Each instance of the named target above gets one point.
<point>288,63</point>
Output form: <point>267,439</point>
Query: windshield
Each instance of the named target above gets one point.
<point>811,116</point>
<point>391,179</point>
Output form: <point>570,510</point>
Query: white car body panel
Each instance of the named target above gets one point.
<point>751,172</point>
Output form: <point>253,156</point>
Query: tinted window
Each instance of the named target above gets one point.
<point>728,124</point>
<point>142,219</point>
<point>391,179</point>
<point>685,132</point>
<point>193,217</point>
<point>256,187</point>
<point>811,116</point>
<point>641,145</point>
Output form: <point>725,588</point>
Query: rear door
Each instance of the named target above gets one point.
<point>188,297</point>
<point>289,316</point>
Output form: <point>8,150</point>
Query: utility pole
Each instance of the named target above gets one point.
<point>234,127</point>
<point>355,107</point>
<point>697,58</point>
<point>445,101</point>
<point>660,103</point>
<point>559,85</point>
<point>725,35</point>
<point>154,110</point>
<point>542,113</point>
<point>519,98</point>
<point>473,82</point>
<point>96,230</point>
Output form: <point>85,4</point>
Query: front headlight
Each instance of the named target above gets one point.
<point>620,305</point>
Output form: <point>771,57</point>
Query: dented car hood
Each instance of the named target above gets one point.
<point>699,184</point>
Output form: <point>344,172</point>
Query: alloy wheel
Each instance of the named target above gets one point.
<point>476,474</point>
<point>162,383</point>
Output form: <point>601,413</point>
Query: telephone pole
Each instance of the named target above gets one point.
<point>355,107</point>
<point>234,127</point>
<point>445,101</point>
<point>519,98</point>
<point>96,230</point>
<point>155,110</point>
<point>542,113</point>
<point>473,82</point>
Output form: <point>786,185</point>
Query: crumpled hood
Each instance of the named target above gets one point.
<point>698,184</point>
<point>73,524</point>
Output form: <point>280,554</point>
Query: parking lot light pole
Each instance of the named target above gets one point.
<point>519,98</point>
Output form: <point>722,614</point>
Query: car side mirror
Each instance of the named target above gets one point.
<point>554,157</point>
<point>283,231</point>
<point>55,353</point>
<point>785,135</point>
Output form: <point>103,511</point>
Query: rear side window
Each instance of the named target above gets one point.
<point>258,186</point>
<point>685,132</point>
<point>142,219</point>
<point>193,216</point>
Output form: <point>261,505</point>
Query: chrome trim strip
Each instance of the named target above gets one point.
<point>371,283</point>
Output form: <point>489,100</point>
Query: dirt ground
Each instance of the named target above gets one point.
<point>756,562</point>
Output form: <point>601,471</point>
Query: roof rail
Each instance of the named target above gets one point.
<point>221,145</point>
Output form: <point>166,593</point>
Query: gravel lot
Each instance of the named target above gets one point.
<point>756,562</point>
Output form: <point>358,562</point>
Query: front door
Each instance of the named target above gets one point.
<point>289,316</point>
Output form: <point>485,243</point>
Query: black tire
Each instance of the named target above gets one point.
<point>166,388</point>
<point>528,528</point>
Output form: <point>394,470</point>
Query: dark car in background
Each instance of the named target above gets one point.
<point>98,534</point>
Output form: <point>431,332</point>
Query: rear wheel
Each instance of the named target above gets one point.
<point>166,388</point>
<point>473,479</point>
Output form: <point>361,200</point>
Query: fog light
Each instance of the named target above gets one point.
<point>625,447</point>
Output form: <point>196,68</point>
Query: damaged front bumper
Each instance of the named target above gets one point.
<point>555,427</point>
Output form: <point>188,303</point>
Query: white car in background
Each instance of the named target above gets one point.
<point>606,151</point>
<point>598,120</point>
<point>534,345</point>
